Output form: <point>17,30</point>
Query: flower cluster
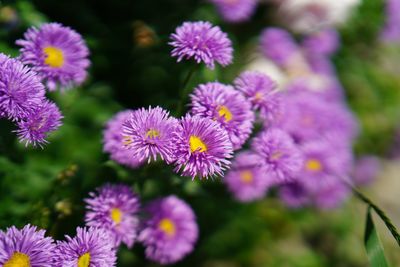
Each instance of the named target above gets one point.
<point>168,230</point>
<point>52,54</point>
<point>306,148</point>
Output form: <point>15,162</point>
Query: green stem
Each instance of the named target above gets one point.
<point>380,213</point>
<point>185,90</point>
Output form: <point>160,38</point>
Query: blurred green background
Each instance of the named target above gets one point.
<point>131,67</point>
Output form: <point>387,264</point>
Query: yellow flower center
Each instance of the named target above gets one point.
<point>18,259</point>
<point>246,176</point>
<point>313,165</point>
<point>276,155</point>
<point>127,140</point>
<point>152,133</point>
<point>54,57</point>
<point>196,144</point>
<point>84,260</point>
<point>167,226</point>
<point>223,111</point>
<point>116,215</point>
<point>258,96</point>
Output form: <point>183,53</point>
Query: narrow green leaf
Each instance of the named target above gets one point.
<point>373,245</point>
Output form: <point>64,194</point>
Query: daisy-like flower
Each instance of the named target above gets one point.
<point>246,179</point>
<point>281,157</point>
<point>262,92</point>
<point>227,106</point>
<point>20,89</point>
<point>391,31</point>
<point>35,128</point>
<point>331,194</point>
<point>310,117</point>
<point>114,208</point>
<point>202,147</point>
<point>27,247</point>
<point>57,53</point>
<point>235,10</point>
<point>113,141</point>
<point>91,247</point>
<point>148,134</point>
<point>203,42</point>
<point>170,230</point>
<point>323,158</point>
<point>278,45</point>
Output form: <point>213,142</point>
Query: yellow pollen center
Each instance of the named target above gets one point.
<point>18,259</point>
<point>223,111</point>
<point>246,177</point>
<point>258,96</point>
<point>54,57</point>
<point>116,215</point>
<point>313,165</point>
<point>127,140</point>
<point>196,144</point>
<point>276,155</point>
<point>152,133</point>
<point>84,260</point>
<point>167,226</point>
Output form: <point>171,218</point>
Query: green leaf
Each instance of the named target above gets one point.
<point>373,245</point>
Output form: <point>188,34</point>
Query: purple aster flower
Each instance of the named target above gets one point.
<point>366,169</point>
<point>294,194</point>
<point>281,157</point>
<point>113,141</point>
<point>203,42</point>
<point>27,247</point>
<point>91,247</point>
<point>310,117</point>
<point>278,45</point>
<point>35,128</point>
<point>170,230</point>
<point>20,89</point>
<point>148,133</point>
<point>324,42</point>
<point>227,106</point>
<point>391,31</point>
<point>247,180</point>
<point>114,208</point>
<point>57,53</point>
<point>262,91</point>
<point>202,147</point>
<point>235,10</point>
<point>324,158</point>
<point>331,194</point>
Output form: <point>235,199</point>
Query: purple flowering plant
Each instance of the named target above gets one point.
<point>185,143</point>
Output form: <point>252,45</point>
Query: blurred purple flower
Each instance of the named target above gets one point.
<point>235,10</point>
<point>227,106</point>
<point>366,169</point>
<point>90,247</point>
<point>203,42</point>
<point>202,147</point>
<point>247,180</point>
<point>114,208</point>
<point>20,90</point>
<point>324,42</point>
<point>113,141</point>
<point>278,45</point>
<point>148,134</point>
<point>57,53</point>
<point>294,194</point>
<point>281,157</point>
<point>391,31</point>
<point>170,230</point>
<point>26,247</point>
<point>35,128</point>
